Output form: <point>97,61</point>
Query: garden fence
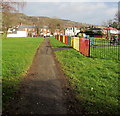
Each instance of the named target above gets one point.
<point>93,47</point>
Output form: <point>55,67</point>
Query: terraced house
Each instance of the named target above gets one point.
<point>44,31</point>
<point>22,31</point>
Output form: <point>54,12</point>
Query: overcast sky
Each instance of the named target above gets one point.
<point>84,12</point>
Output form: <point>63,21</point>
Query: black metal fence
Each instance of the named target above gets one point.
<point>105,48</point>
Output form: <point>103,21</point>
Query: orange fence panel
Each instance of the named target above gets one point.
<point>85,46</point>
<point>66,40</point>
<point>61,38</point>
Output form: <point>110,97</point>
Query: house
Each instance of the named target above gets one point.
<point>22,31</point>
<point>110,32</point>
<point>58,32</point>
<point>44,31</point>
<point>98,32</point>
<point>30,29</point>
<point>1,32</point>
<point>71,31</point>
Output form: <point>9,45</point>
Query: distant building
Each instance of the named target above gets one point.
<point>71,31</point>
<point>22,31</point>
<point>1,32</point>
<point>57,32</point>
<point>112,30</point>
<point>105,32</point>
<point>96,29</point>
<point>44,31</point>
<point>30,29</point>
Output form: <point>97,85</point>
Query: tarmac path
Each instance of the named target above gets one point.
<point>41,91</point>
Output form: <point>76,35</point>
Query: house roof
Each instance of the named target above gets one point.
<point>70,27</point>
<point>44,27</point>
<point>26,26</point>
<point>95,29</point>
<point>111,28</point>
<point>1,32</point>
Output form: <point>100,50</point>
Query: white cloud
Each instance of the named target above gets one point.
<point>111,11</point>
<point>82,7</point>
<point>88,12</point>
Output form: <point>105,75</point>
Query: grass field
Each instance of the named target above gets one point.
<point>103,49</point>
<point>107,52</point>
<point>95,81</point>
<point>103,41</point>
<point>17,55</point>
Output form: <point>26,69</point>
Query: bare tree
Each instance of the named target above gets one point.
<point>115,22</point>
<point>8,9</point>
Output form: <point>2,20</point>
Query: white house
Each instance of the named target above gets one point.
<point>71,31</point>
<point>112,30</point>
<point>18,34</point>
<point>22,31</point>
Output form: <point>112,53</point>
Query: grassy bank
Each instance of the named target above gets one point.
<point>95,81</point>
<point>112,52</point>
<point>17,55</point>
<point>103,49</point>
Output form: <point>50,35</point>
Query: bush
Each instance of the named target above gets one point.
<point>90,33</point>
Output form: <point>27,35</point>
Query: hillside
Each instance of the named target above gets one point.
<point>55,22</point>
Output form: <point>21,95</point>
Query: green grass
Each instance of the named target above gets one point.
<point>57,44</point>
<point>95,81</point>
<point>17,56</point>
<point>108,52</point>
<point>101,41</point>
